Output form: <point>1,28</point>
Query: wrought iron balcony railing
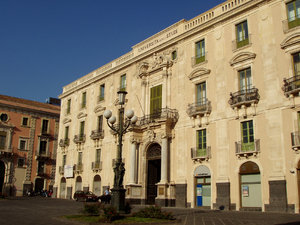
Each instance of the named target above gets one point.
<point>199,108</point>
<point>236,44</point>
<point>78,139</point>
<point>42,154</point>
<point>64,142</point>
<point>78,168</point>
<point>161,115</point>
<point>247,148</point>
<point>244,97</point>
<point>97,165</point>
<point>295,140</point>
<point>201,154</point>
<point>291,86</point>
<point>199,59</point>
<point>97,134</point>
<point>290,23</point>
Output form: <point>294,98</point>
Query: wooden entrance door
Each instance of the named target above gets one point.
<point>154,168</point>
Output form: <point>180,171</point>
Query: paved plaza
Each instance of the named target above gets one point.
<point>47,211</point>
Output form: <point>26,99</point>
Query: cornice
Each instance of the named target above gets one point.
<point>199,72</point>
<point>291,40</point>
<point>241,57</point>
<point>208,25</point>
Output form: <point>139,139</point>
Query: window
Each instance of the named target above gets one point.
<point>296,62</point>
<point>102,89</point>
<point>155,99</point>
<point>247,136</point>
<point>83,101</point>
<point>79,158</point>
<point>174,55</point>
<point>2,139</point>
<point>66,132</point>
<point>123,83</point>
<point>69,106</point>
<point>64,160</point>
<point>43,147</point>
<point>23,144</point>
<point>100,122</point>
<point>81,131</point>
<point>98,155</point>
<point>245,80</point>
<point>41,167</point>
<point>25,121</point>
<point>45,126</point>
<point>21,162</point>
<point>293,13</point>
<point>201,93</point>
<point>242,37</point>
<point>4,117</point>
<point>201,142</point>
<point>200,51</point>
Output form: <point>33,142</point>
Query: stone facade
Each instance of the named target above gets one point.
<point>217,101</point>
<point>28,142</point>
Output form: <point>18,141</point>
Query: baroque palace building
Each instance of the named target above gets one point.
<point>28,143</point>
<point>219,113</point>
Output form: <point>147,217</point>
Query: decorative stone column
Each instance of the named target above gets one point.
<point>134,190</point>
<point>132,162</point>
<point>162,186</point>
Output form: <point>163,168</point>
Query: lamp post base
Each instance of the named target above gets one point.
<point>118,199</point>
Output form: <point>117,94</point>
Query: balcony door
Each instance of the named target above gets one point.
<point>155,100</point>
<point>201,93</point>
<point>296,61</point>
<point>245,80</point>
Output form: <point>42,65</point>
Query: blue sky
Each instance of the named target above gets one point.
<point>47,44</point>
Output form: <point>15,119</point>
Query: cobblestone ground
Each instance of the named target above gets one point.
<point>46,211</point>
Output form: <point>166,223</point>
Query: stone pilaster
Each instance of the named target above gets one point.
<point>223,196</point>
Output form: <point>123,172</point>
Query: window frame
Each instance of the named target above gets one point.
<point>248,80</point>
<point>23,164</point>
<point>22,121</point>
<point>246,143</point>
<point>155,99</point>
<point>245,34</point>
<point>43,130</point>
<point>201,136</point>
<point>123,82</point>
<point>200,54</point>
<point>26,144</point>
<point>81,129</point>
<point>83,100</point>
<point>69,102</point>
<point>4,140</point>
<point>295,20</point>
<point>102,92</point>
<point>201,89</point>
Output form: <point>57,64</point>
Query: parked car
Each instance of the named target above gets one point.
<point>85,196</point>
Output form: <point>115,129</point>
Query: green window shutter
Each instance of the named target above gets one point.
<point>245,79</point>
<point>293,13</point>
<point>201,142</point>
<point>83,102</point>
<point>201,93</point>
<point>102,90</point>
<point>247,136</point>
<point>200,51</point>
<point>123,83</point>
<point>69,106</point>
<point>81,132</point>
<point>242,36</point>
<point>155,99</point>
<point>66,132</point>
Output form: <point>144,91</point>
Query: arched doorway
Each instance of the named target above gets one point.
<point>97,185</point>
<point>2,175</point>
<point>62,188</point>
<point>78,184</point>
<point>38,185</point>
<point>250,185</point>
<point>153,172</point>
<point>202,186</point>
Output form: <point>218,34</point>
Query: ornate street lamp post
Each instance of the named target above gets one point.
<point>118,191</point>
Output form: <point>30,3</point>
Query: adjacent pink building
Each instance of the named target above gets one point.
<point>28,143</point>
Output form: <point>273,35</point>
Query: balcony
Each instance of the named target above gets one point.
<point>244,97</point>
<point>61,170</point>
<point>236,44</point>
<point>97,166</point>
<point>97,134</point>
<point>79,139</point>
<point>78,168</point>
<point>199,108</point>
<point>200,154</point>
<point>291,86</point>
<point>199,59</point>
<point>42,155</point>
<point>164,115</point>
<point>290,24</point>
<point>64,142</point>
<point>295,140</point>
<point>6,151</point>
<point>247,149</point>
